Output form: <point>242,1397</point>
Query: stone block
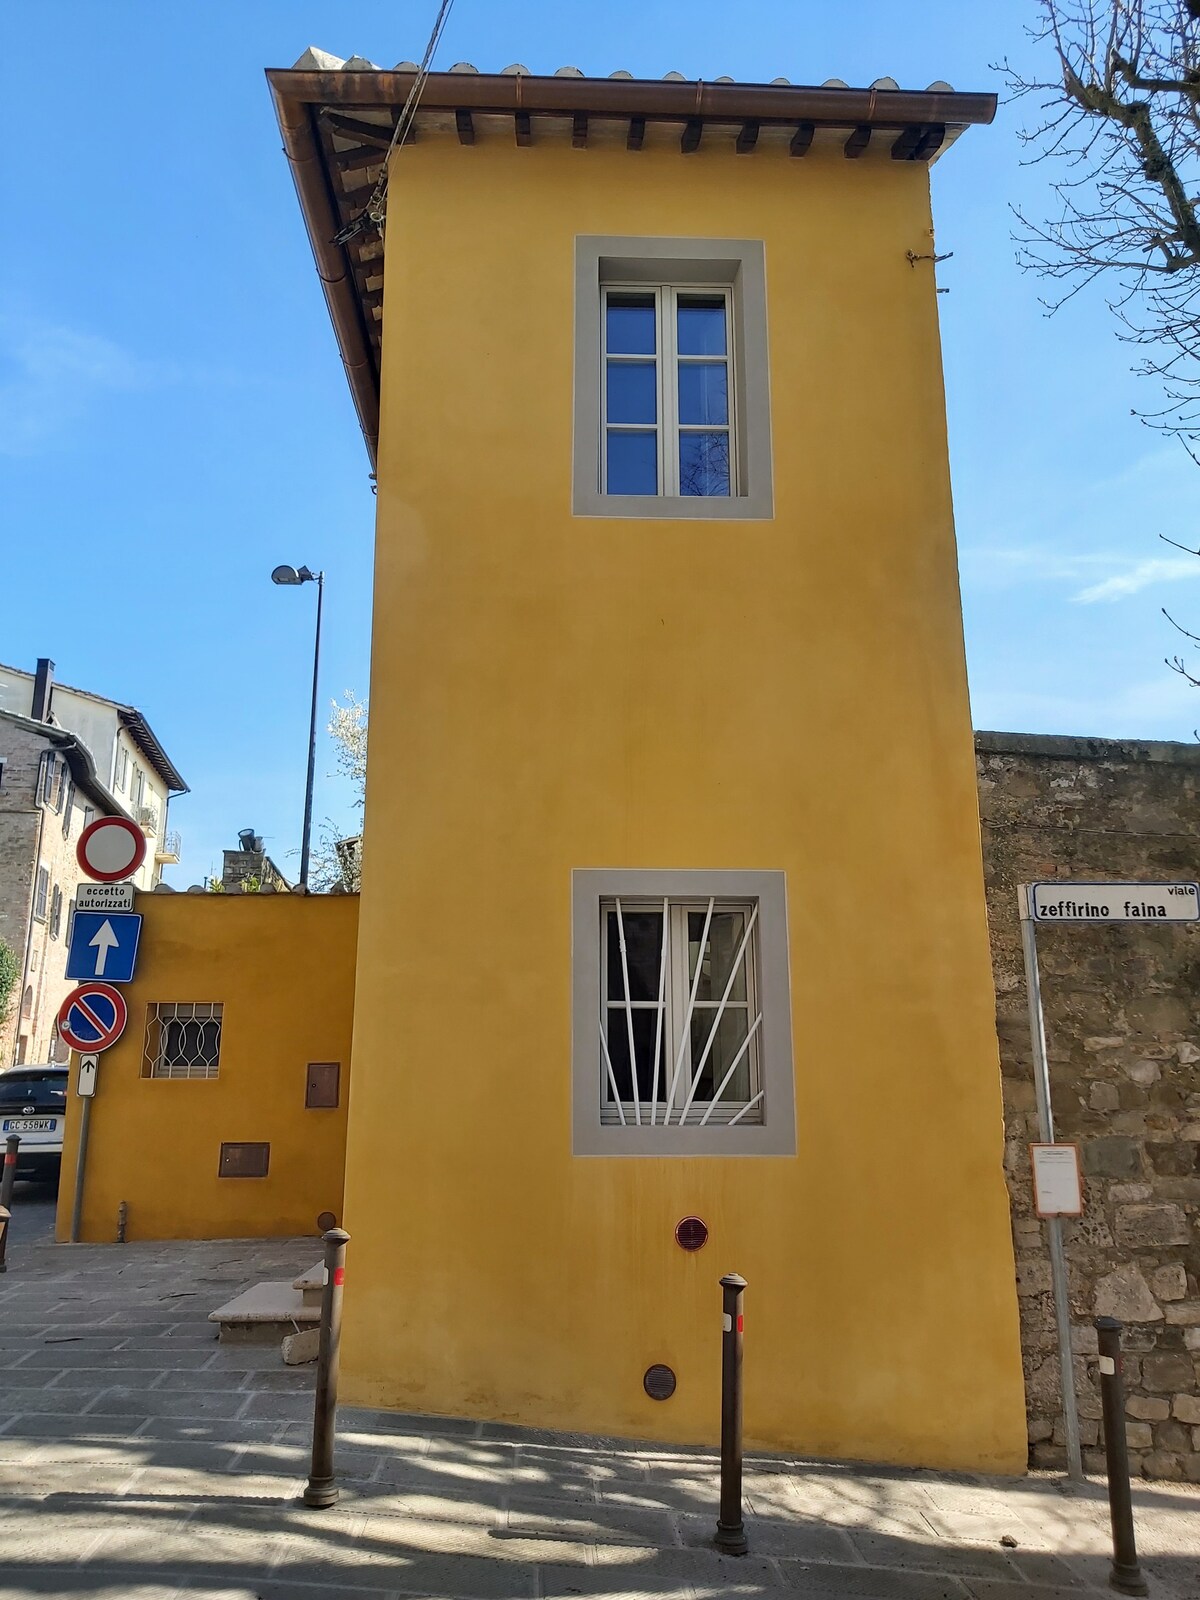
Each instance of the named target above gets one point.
<point>1162,1464</point>
<point>1168,1282</point>
<point>1124,1293</point>
<point>1159,1013</point>
<point>1196,1438</point>
<point>1123,1194</point>
<point>1191,1339</point>
<point>1173,1159</point>
<point>1040,1429</point>
<point>1168,1373</point>
<point>1116,1156</point>
<point>1150,1227</point>
<point>1184,1314</point>
<point>1186,1408</point>
<point>1104,1097</point>
<point>1148,1408</point>
<point>1139,1435</point>
<point>1172,1436</point>
<point>1144,1072</point>
<point>1033,1275</point>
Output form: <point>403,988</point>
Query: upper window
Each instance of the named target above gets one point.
<point>667,371</point>
<point>122,768</point>
<point>138,789</point>
<point>41,894</point>
<point>681,1015</point>
<point>56,905</point>
<point>672,412</point>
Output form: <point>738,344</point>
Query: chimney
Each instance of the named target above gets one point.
<point>43,684</point>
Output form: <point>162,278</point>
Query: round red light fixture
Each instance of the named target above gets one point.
<point>691,1234</point>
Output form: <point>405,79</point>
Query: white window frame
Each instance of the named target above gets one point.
<point>596,1131</point>
<point>667,361</point>
<point>735,268</point>
<point>121,770</point>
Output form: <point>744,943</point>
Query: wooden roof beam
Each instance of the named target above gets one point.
<point>579,130</point>
<point>637,133</point>
<point>857,142</point>
<point>355,160</point>
<point>373,133</point>
<point>465,126</point>
<point>931,142</point>
<point>522,128</point>
<point>802,139</point>
<point>747,138</point>
<point>690,138</point>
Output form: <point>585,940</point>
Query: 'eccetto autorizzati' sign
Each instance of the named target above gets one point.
<point>1114,902</point>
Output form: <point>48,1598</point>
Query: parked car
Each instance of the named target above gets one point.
<point>33,1103</point>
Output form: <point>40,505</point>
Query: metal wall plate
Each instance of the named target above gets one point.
<point>322,1085</point>
<point>244,1160</point>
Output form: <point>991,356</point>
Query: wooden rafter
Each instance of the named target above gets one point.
<point>690,138</point>
<point>378,134</point>
<point>465,126</point>
<point>931,142</point>
<point>637,133</point>
<point>355,160</point>
<point>747,138</point>
<point>579,130</point>
<point>857,142</point>
<point>523,129</point>
<point>802,138</point>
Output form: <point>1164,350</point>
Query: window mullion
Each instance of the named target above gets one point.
<point>670,393</point>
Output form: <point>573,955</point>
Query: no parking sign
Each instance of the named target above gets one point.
<point>92,1017</point>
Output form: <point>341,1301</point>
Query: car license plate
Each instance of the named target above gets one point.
<point>29,1125</point>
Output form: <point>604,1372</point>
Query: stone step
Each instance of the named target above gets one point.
<point>264,1313</point>
<point>311,1284</point>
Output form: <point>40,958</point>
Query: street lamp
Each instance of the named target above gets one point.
<point>291,576</point>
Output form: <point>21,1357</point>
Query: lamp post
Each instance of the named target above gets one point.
<point>290,576</point>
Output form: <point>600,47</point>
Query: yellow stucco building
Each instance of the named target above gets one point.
<point>673,903</point>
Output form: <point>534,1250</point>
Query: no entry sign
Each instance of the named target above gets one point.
<point>92,1017</point>
<point>111,848</point>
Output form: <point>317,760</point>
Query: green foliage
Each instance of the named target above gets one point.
<point>10,976</point>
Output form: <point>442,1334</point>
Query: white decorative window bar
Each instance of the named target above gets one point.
<point>183,1040</point>
<point>679,1017</point>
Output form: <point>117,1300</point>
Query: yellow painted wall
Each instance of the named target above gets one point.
<point>283,968</point>
<point>550,693</point>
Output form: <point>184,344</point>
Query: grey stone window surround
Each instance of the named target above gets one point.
<point>739,263</point>
<point>776,1135</point>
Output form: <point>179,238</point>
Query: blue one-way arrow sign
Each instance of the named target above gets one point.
<point>104,945</point>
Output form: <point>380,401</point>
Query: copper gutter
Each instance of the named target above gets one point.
<point>299,97</point>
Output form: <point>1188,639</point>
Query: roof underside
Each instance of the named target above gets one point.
<point>337,122</point>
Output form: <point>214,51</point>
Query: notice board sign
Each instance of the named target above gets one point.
<point>1057,1184</point>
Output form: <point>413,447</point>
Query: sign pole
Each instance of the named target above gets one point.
<point>85,1122</point>
<point>1054,1238</point>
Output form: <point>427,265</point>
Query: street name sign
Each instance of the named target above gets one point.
<point>104,897</point>
<point>104,945</point>
<point>1114,902</point>
<point>92,1017</point>
<point>111,848</point>
<point>85,1083</point>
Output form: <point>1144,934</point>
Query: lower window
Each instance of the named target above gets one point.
<point>682,1040</point>
<point>183,1040</point>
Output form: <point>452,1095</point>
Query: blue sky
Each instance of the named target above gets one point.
<point>174,423</point>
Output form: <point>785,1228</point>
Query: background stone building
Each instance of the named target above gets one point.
<point>1122,1007</point>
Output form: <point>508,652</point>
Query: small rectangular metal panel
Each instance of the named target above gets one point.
<point>322,1085</point>
<point>244,1160</point>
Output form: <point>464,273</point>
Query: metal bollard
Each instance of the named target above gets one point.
<point>321,1488</point>
<point>731,1530</point>
<point>6,1193</point>
<point>1126,1575</point>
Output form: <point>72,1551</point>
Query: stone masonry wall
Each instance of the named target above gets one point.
<point>1122,1010</point>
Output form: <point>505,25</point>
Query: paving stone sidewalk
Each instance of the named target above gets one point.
<point>139,1459</point>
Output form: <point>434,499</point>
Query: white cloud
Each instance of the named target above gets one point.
<point>1163,569</point>
<point>52,374</point>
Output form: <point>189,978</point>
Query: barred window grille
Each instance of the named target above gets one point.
<point>183,1040</point>
<point>680,1014</point>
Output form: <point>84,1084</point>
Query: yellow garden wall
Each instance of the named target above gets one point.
<point>550,693</point>
<point>283,968</point>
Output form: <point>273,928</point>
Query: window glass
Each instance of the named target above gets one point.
<point>631,325</point>
<point>632,463</point>
<point>632,391</point>
<point>703,392</point>
<point>701,324</point>
<point>704,463</point>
